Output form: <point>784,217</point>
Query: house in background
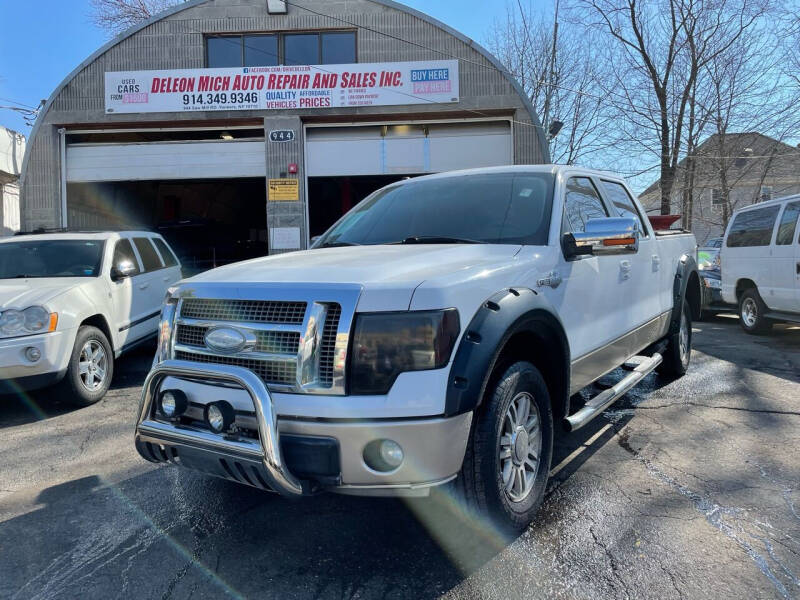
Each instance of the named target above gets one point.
<point>728,172</point>
<point>12,149</point>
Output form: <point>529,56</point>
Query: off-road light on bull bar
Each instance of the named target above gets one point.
<point>219,416</point>
<point>173,403</point>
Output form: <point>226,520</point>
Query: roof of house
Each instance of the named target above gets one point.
<point>736,146</point>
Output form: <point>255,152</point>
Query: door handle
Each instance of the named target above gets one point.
<point>144,286</point>
<point>798,268</point>
<point>656,262</point>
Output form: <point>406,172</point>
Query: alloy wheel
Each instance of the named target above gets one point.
<point>93,365</point>
<point>520,447</point>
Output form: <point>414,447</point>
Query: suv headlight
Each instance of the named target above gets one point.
<point>166,325</point>
<point>32,320</point>
<point>387,344</point>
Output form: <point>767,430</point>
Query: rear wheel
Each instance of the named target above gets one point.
<point>507,462</point>
<point>679,346</point>
<point>751,312</point>
<point>90,368</point>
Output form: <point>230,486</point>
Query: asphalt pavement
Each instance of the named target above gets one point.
<point>684,489</point>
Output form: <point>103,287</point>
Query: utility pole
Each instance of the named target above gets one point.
<point>551,76</point>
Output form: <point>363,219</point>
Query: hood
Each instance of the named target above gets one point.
<point>22,293</point>
<point>388,274</point>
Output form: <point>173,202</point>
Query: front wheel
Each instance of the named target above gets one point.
<point>751,313</point>
<point>507,462</point>
<point>90,368</point>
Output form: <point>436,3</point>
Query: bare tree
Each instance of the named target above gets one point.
<point>115,16</point>
<point>560,80</point>
<point>657,51</point>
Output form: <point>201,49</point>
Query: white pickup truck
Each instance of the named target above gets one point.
<point>71,302</point>
<point>435,334</point>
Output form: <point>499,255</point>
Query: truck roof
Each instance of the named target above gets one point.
<point>553,169</point>
<point>767,203</point>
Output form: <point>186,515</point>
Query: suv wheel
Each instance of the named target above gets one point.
<point>90,368</point>
<point>507,462</point>
<point>751,312</point>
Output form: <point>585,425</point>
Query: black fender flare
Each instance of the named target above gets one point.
<point>685,286</point>
<point>506,313</point>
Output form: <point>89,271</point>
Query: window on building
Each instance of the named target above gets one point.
<point>150,259</point>
<point>788,224</point>
<point>717,199</point>
<point>753,227</point>
<point>623,202</point>
<point>269,50</point>
<point>765,193</point>
<point>581,204</point>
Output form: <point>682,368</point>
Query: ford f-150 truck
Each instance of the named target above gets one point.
<point>435,335</point>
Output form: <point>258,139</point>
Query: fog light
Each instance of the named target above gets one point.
<point>33,354</point>
<point>173,403</point>
<point>219,416</point>
<point>391,453</point>
<point>383,455</point>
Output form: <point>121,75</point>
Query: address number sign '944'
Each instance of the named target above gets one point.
<point>281,135</point>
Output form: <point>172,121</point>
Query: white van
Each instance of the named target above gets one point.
<point>761,263</point>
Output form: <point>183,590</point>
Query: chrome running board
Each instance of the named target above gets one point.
<point>644,365</point>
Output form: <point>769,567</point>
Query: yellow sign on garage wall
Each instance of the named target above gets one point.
<point>284,190</point>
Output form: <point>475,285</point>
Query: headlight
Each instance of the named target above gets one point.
<point>33,320</point>
<point>166,325</point>
<point>387,344</point>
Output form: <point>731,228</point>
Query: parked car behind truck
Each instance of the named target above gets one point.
<point>760,260</point>
<point>433,336</point>
<point>70,303</point>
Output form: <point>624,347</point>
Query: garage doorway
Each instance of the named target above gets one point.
<point>208,222</point>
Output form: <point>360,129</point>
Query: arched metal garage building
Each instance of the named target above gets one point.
<point>238,127</point>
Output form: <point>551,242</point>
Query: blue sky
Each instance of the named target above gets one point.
<point>40,46</point>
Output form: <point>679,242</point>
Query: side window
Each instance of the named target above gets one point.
<point>581,203</point>
<point>150,259</point>
<point>123,252</point>
<point>166,254</point>
<point>788,224</point>
<point>619,197</point>
<point>753,228</point>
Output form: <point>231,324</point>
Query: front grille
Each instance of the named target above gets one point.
<point>326,352</point>
<point>270,371</point>
<point>271,342</point>
<point>252,311</point>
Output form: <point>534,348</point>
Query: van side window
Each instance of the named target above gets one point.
<point>623,202</point>
<point>123,252</point>
<point>166,254</point>
<point>788,224</point>
<point>150,259</point>
<point>582,203</point>
<point>753,228</point>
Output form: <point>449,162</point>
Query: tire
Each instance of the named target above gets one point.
<point>751,313</point>
<point>483,483</point>
<point>678,354</point>
<point>87,387</point>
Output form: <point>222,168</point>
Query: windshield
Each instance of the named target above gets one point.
<point>51,258</point>
<point>502,208</point>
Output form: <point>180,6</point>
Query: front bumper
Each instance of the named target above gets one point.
<point>433,447</point>
<point>55,349</point>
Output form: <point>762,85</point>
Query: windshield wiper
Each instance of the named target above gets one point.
<point>339,244</point>
<point>432,239</point>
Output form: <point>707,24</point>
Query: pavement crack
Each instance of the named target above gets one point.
<point>764,411</point>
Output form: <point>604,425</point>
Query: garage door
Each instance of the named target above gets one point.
<point>169,160</point>
<point>407,149</point>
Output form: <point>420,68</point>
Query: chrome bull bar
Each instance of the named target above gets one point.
<point>279,478</point>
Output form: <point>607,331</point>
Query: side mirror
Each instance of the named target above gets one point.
<point>124,269</point>
<point>601,237</point>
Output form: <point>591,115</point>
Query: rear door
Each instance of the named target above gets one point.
<point>785,263</point>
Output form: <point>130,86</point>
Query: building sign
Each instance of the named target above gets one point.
<point>281,135</point>
<point>283,87</point>
<point>284,190</point>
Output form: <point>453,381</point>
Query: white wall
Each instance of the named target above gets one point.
<point>12,149</point>
<point>9,209</point>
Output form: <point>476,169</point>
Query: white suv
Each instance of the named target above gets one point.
<point>70,303</point>
<point>760,259</point>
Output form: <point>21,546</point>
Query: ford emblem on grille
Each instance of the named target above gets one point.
<point>225,339</point>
